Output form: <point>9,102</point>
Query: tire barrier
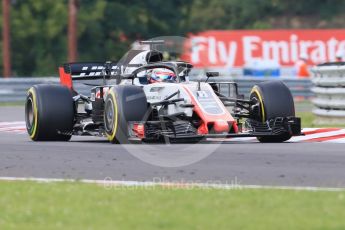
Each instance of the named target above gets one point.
<point>329,90</point>
<point>15,89</point>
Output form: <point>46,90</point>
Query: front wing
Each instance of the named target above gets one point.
<point>184,132</point>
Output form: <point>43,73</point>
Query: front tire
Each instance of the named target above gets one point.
<point>49,113</point>
<point>275,100</point>
<point>123,104</point>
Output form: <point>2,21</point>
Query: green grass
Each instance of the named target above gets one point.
<point>30,205</point>
<point>18,103</point>
<point>304,109</point>
<point>308,118</point>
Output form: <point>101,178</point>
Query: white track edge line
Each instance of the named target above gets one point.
<point>116,183</point>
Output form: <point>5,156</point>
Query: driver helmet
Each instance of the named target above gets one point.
<point>161,75</point>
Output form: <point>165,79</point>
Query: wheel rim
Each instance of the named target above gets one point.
<point>109,116</point>
<point>30,114</point>
<point>259,114</point>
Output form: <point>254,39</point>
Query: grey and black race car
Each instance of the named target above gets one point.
<point>143,97</point>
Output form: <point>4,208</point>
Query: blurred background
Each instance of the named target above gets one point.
<point>247,41</point>
<point>37,36</point>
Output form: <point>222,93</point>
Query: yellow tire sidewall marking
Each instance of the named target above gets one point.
<point>34,102</point>
<point>112,136</point>
<point>255,90</point>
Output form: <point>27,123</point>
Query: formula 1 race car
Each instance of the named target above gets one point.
<point>143,97</point>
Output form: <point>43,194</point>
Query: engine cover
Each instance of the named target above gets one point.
<point>213,114</point>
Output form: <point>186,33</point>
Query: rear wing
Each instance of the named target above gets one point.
<point>133,59</point>
<point>89,70</point>
<point>70,72</point>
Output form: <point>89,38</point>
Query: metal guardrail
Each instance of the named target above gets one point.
<point>298,87</point>
<point>329,81</point>
<point>14,89</point>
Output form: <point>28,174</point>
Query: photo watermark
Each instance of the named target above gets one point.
<point>169,184</point>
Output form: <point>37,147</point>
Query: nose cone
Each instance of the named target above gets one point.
<point>221,126</point>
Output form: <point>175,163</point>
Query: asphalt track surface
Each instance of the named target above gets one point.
<point>285,164</point>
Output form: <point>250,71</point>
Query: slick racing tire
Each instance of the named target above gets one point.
<point>275,100</point>
<point>123,104</point>
<point>49,113</point>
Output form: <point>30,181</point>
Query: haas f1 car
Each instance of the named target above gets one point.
<point>143,97</point>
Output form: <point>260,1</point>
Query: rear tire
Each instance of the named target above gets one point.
<point>124,103</point>
<point>49,113</point>
<point>275,100</point>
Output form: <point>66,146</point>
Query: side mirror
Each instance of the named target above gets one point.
<point>212,74</point>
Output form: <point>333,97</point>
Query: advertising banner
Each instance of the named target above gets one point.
<point>237,47</point>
